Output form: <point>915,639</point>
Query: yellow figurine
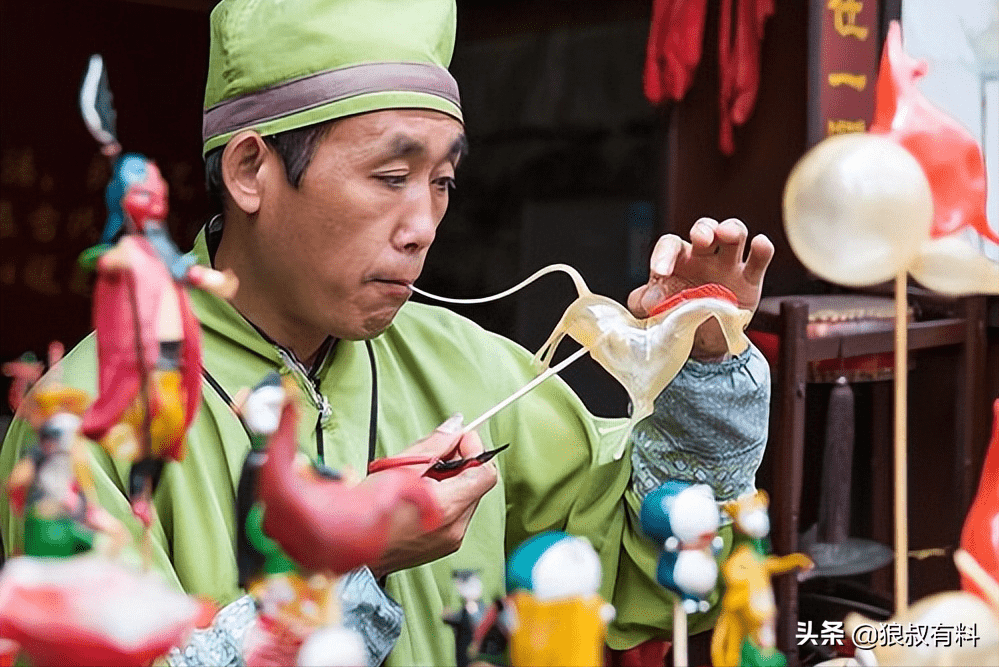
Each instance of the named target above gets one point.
<point>555,616</point>
<point>748,611</point>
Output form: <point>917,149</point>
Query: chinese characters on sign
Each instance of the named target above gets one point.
<point>869,636</point>
<point>843,67</point>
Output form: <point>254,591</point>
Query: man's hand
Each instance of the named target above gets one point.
<point>458,496</point>
<point>714,255</point>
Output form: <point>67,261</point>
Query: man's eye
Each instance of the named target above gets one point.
<point>445,183</point>
<point>392,180</point>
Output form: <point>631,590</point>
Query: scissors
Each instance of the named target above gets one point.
<point>436,468</point>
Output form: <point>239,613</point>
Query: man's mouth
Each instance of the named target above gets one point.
<point>398,287</point>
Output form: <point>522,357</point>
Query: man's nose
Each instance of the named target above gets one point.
<point>418,226</point>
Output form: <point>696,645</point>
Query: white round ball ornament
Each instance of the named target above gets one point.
<point>857,207</point>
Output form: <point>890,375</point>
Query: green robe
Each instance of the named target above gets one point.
<point>557,473</point>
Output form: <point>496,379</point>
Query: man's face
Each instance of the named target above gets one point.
<point>344,247</point>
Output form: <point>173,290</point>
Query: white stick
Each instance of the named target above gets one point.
<point>523,390</point>
<point>679,634</point>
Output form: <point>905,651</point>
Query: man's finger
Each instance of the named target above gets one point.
<point>664,255</point>
<point>731,238</point>
<point>643,299</point>
<point>442,440</point>
<point>635,301</point>
<point>470,445</point>
<point>456,493</point>
<point>702,235</point>
<point>761,251</point>
<point>451,425</point>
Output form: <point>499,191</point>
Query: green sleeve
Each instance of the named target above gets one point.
<point>16,443</point>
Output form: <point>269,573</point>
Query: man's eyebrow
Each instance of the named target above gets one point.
<point>458,150</point>
<point>402,146</point>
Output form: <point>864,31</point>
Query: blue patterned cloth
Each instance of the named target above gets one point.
<point>709,427</point>
<point>365,609</point>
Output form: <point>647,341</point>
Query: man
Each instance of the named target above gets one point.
<point>332,135</point>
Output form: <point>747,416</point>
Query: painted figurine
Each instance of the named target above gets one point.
<point>954,166</point>
<point>947,152</point>
<point>322,522</point>
<point>148,340</point>
<point>468,616</point>
<point>90,610</point>
<point>861,208</point>
<point>301,527</point>
<point>554,613</point>
<point>292,604</point>
<point>256,554</point>
<point>744,633</point>
<point>980,535</point>
<point>684,518</point>
<point>491,637</point>
<point>750,516</point>
<point>52,484</point>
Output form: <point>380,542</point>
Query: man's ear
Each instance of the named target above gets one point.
<point>243,169</point>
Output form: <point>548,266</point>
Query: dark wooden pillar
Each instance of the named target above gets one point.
<point>789,464</point>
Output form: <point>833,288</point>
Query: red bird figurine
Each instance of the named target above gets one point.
<point>326,525</point>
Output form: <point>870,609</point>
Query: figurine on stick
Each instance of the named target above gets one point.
<point>148,340</point>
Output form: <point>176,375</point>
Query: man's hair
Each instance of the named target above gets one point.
<point>296,149</point>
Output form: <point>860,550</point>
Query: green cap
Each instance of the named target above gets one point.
<point>278,65</point>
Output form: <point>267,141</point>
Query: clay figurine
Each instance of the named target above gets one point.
<point>554,614</point>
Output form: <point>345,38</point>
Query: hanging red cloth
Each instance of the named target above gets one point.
<point>674,50</point>
<point>739,64</point>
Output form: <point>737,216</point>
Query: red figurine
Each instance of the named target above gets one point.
<point>89,610</point>
<point>148,339</point>
<point>980,536</point>
<point>947,152</point>
<point>326,525</point>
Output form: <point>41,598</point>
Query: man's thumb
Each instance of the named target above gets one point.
<point>451,425</point>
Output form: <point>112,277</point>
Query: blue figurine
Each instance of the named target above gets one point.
<point>684,519</point>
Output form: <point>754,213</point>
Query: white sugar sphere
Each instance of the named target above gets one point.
<point>856,209</point>
<point>568,568</point>
<point>696,571</point>
<point>334,646</point>
<point>694,513</point>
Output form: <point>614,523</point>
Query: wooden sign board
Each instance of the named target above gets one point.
<point>844,48</point>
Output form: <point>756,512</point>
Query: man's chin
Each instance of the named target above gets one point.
<point>375,324</point>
